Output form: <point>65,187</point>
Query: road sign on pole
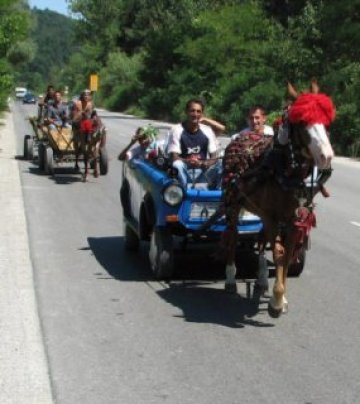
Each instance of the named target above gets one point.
<point>94,82</point>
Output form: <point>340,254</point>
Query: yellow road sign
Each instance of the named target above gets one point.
<point>94,82</point>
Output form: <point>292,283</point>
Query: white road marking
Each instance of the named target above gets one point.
<point>355,224</point>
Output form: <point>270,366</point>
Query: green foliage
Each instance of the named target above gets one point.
<point>152,56</point>
<point>227,61</point>
<point>120,85</point>
<point>76,73</point>
<point>21,52</point>
<point>51,45</point>
<point>149,132</point>
<point>14,25</point>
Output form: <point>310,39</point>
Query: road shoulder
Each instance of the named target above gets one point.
<point>24,375</point>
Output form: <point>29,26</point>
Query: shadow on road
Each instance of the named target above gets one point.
<point>201,304</point>
<point>196,289</point>
<point>62,176</point>
<point>120,264</point>
<point>195,263</point>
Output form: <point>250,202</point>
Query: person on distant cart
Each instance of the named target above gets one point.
<point>45,102</point>
<point>57,114</point>
<point>82,109</point>
<point>50,95</point>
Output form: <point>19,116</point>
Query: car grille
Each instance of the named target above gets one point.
<point>204,210</point>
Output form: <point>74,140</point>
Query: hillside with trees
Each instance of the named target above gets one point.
<point>53,37</point>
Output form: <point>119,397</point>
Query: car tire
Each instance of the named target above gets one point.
<point>125,199</point>
<point>161,253</point>
<point>132,241</point>
<point>296,268</point>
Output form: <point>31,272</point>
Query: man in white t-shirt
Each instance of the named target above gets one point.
<point>256,121</point>
<point>193,148</point>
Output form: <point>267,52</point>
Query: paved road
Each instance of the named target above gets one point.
<point>113,335</point>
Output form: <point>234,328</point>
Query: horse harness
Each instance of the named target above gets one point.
<point>252,159</point>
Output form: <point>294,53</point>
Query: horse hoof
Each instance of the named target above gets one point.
<point>77,169</point>
<point>274,313</point>
<point>96,174</point>
<point>83,179</point>
<point>230,288</point>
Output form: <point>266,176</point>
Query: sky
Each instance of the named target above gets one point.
<point>55,5</point>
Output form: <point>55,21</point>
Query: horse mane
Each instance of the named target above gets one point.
<point>310,108</point>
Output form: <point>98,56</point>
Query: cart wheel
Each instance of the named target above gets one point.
<point>41,156</point>
<point>28,147</point>
<point>26,137</point>
<point>296,269</point>
<point>104,161</point>
<point>132,240</point>
<point>49,160</point>
<point>161,253</point>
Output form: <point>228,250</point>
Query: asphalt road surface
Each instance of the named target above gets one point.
<point>114,335</point>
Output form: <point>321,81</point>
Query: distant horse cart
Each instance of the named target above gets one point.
<point>57,145</point>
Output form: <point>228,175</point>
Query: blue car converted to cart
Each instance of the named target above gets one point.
<point>158,209</point>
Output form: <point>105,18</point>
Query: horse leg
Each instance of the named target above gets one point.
<point>278,303</point>
<point>230,241</point>
<point>96,160</point>
<point>289,253</point>
<point>77,159</point>
<point>262,281</point>
<point>77,151</point>
<point>85,168</point>
<point>86,161</point>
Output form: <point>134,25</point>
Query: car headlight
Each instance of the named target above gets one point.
<point>173,194</point>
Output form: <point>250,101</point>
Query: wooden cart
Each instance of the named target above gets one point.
<point>59,147</point>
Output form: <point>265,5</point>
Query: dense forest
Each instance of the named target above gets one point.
<point>153,55</point>
<point>54,42</point>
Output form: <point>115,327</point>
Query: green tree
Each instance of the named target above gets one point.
<point>227,59</point>
<point>14,24</point>
<point>53,37</point>
<point>120,84</point>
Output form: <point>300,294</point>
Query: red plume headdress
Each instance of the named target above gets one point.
<point>312,108</point>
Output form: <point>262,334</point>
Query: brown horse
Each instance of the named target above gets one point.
<point>91,138</point>
<point>273,188</point>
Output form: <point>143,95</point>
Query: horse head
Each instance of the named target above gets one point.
<point>310,116</point>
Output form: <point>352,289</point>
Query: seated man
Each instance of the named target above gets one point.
<point>146,138</point>
<point>256,123</point>
<point>57,113</point>
<point>193,147</point>
<point>82,106</point>
<point>50,95</point>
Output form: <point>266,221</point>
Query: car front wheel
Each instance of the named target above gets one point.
<point>161,253</point>
<point>132,240</point>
